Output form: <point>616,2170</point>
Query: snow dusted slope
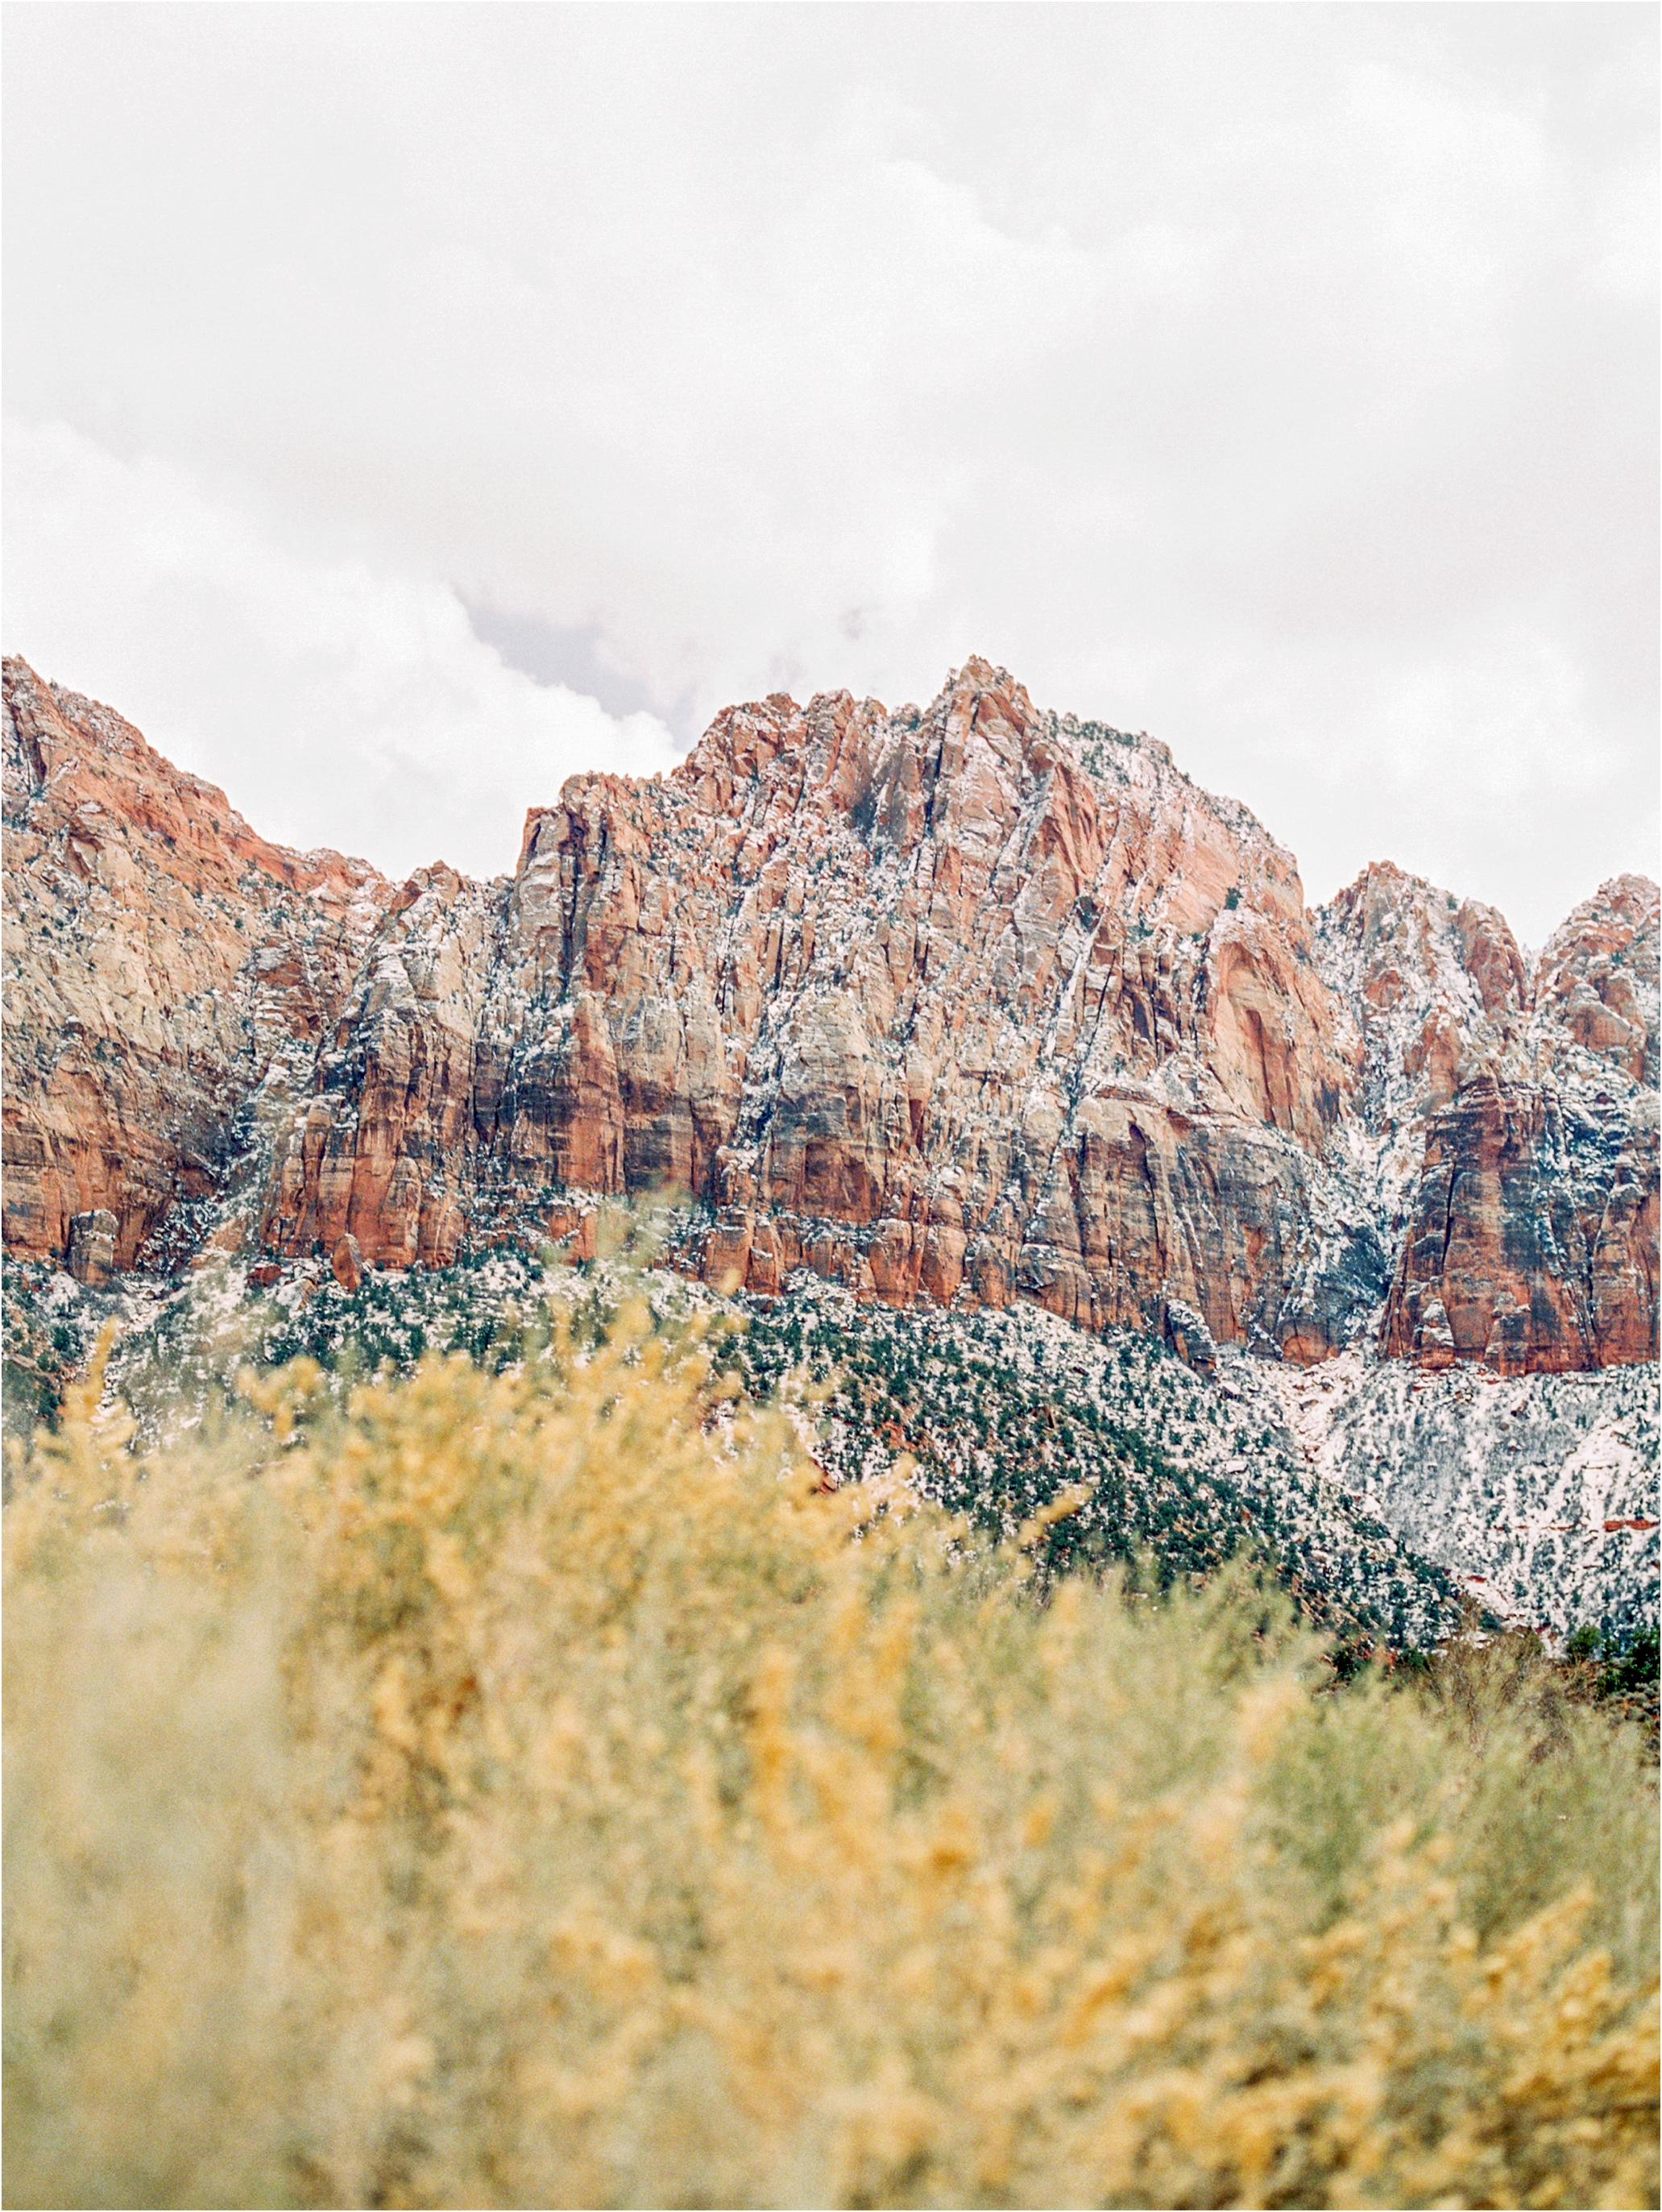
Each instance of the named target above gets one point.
<point>1382,1493</point>
<point>1499,1165</point>
<point>1537,1493</point>
<point>1002,1411</point>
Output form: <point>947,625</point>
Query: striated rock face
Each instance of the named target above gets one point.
<point>1595,985</point>
<point>964,1000</point>
<point>384,1152</point>
<point>91,1256</point>
<point>974,1001</point>
<point>1531,1239</point>
<point>1437,985</point>
<point>162,964</point>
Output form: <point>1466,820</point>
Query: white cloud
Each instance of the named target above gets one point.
<point>336,706</point>
<point>1280,380</point>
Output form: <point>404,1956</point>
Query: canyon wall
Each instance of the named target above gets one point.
<point>974,1000</point>
<point>164,965</point>
<point>1531,1237</point>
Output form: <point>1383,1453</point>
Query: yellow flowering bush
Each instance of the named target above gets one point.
<point>536,1789</point>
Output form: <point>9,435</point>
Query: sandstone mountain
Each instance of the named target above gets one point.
<point>973,1003</point>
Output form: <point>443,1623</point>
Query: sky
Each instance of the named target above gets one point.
<point>406,407</point>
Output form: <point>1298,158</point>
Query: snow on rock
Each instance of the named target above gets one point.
<point>1539,1492</point>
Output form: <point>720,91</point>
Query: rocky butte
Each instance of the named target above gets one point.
<point>974,1002</point>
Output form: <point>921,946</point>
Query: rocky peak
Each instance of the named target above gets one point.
<point>1596,980</point>
<point>964,766</point>
<point>78,774</point>
<point>888,992</point>
<point>974,1000</point>
<point>1437,984</point>
<point>1513,1113</point>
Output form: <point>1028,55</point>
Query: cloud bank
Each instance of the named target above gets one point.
<point>337,705</point>
<point>386,382</point>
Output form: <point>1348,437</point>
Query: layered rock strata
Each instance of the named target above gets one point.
<point>161,961</point>
<point>964,1000</point>
<point>973,1001</point>
<point>1531,1237</point>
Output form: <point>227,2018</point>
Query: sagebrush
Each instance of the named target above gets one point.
<point>536,1789</point>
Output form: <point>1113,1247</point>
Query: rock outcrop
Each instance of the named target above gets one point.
<point>974,1001</point>
<point>968,1000</point>
<point>162,964</point>
<point>1531,1239</point>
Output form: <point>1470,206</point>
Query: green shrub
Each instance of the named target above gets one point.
<point>1636,1665</point>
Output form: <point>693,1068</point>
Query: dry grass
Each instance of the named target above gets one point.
<point>520,1790</point>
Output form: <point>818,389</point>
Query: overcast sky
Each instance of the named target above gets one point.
<point>406,407</point>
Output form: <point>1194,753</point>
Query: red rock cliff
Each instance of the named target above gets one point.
<point>961,999</point>
<point>975,1000</point>
<point>1531,1241</point>
<point>162,963</point>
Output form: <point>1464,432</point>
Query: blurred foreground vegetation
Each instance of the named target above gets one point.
<point>533,1787</point>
